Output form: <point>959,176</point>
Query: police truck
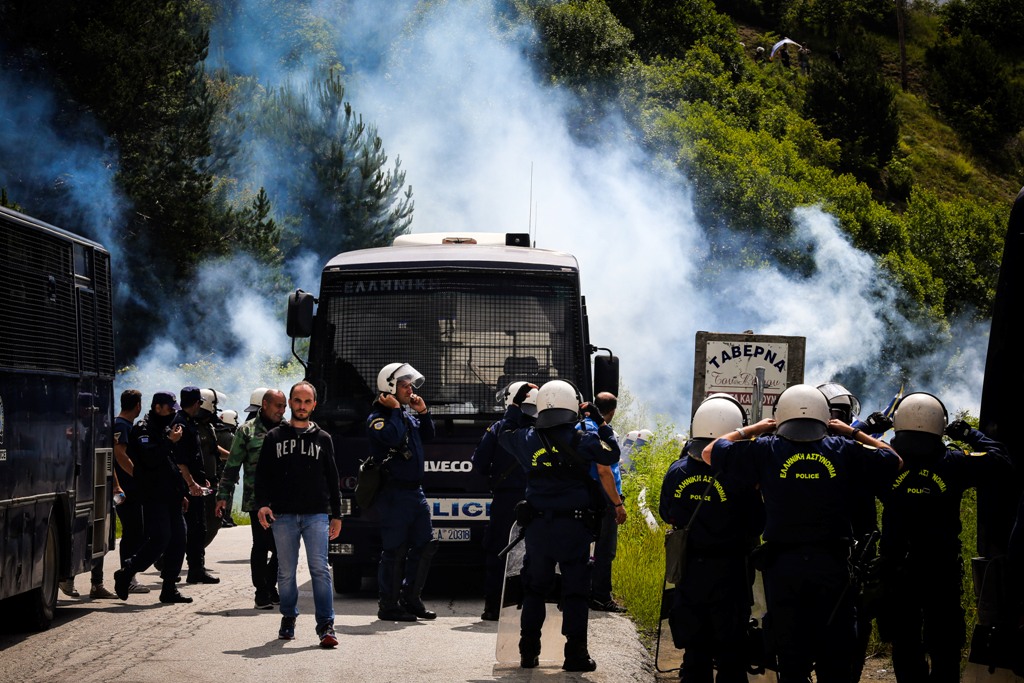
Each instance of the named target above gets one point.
<point>472,312</point>
<point>56,411</point>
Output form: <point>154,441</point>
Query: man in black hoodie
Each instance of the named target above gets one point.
<point>297,492</point>
<point>163,493</point>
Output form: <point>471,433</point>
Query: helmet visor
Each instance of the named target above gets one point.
<point>407,374</point>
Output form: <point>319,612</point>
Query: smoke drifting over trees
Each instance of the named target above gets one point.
<point>224,152</point>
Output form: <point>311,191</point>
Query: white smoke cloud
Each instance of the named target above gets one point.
<point>486,146</point>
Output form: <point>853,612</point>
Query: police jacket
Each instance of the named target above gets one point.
<point>501,468</point>
<point>556,481</point>
<point>397,433</point>
<point>297,473</point>
<point>188,450</point>
<point>245,452</point>
<point>921,513</point>
<point>729,521</point>
<point>122,437</point>
<point>808,487</point>
<point>157,478</point>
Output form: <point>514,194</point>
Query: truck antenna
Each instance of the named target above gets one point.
<point>529,221</point>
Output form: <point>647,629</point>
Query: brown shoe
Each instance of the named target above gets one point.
<point>100,592</point>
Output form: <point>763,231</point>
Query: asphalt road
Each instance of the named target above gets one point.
<point>220,637</point>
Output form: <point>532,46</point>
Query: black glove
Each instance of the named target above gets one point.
<point>877,423</point>
<point>522,393</point>
<point>594,413</point>
<point>958,430</point>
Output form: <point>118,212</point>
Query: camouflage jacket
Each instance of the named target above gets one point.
<point>245,453</point>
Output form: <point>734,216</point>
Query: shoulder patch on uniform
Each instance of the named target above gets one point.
<point>975,454</point>
<point>117,438</point>
<point>605,446</point>
<point>144,438</point>
<point>378,423</point>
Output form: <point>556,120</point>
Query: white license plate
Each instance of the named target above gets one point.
<point>450,534</point>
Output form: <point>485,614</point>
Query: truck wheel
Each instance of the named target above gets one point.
<point>348,578</point>
<point>39,604</point>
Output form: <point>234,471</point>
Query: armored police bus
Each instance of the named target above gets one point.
<point>56,411</point>
<point>472,312</point>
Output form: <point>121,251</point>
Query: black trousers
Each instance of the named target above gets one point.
<point>195,545</point>
<point>262,557</point>
<point>165,535</point>
<point>133,531</point>
<point>810,622</point>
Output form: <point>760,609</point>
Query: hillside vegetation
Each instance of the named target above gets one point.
<point>919,162</point>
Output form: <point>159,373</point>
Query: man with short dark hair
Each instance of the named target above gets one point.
<point>133,532</point>
<point>608,536</point>
<point>297,492</point>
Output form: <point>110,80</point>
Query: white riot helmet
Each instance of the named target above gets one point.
<point>229,417</point>
<point>256,399</point>
<point>841,403</point>
<point>209,399</point>
<point>558,403</point>
<point>718,414</point>
<point>802,413</point>
<point>529,404</point>
<point>920,412</point>
<point>392,373</point>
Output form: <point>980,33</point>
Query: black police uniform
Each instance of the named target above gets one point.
<point>188,451</point>
<point>130,510</point>
<point>807,489</point>
<point>162,490</point>
<point>507,481</point>
<point>920,548</point>
<point>407,535</point>
<point>561,492</point>
<point>711,604</point>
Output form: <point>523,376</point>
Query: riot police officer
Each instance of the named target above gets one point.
<point>806,477</point>
<point>163,493</point>
<point>566,504</point>
<point>920,548</point>
<point>507,482</point>
<point>845,407</point>
<point>188,454</point>
<point>711,603</point>
<point>398,425</point>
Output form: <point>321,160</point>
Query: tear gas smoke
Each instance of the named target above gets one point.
<point>487,146</point>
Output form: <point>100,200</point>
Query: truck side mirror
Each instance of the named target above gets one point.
<point>300,314</point>
<point>606,374</point>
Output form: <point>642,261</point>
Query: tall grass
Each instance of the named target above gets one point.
<point>639,568</point>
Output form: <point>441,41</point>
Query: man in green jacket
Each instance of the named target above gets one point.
<point>245,453</point>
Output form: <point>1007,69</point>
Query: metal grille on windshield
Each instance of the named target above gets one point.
<point>468,333</point>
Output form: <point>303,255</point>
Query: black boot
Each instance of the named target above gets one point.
<point>529,652</point>
<point>411,595</point>
<point>576,656</point>
<point>389,608</point>
<point>170,595</point>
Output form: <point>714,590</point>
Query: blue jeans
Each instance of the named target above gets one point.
<point>313,531</point>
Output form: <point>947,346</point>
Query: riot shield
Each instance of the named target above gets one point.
<point>551,640</point>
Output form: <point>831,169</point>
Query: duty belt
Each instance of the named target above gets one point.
<point>563,514</point>
<point>404,485</point>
